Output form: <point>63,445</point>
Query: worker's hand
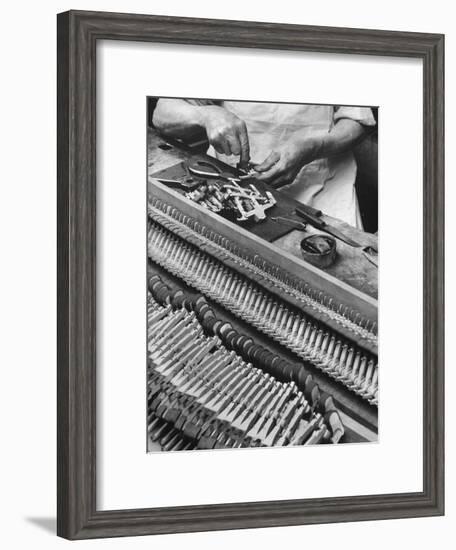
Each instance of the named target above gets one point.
<point>226,132</point>
<point>282,165</point>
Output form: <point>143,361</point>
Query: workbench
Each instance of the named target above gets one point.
<point>350,266</point>
<point>338,304</point>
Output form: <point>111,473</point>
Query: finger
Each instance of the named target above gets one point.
<point>234,144</point>
<point>281,180</point>
<point>216,145</point>
<point>226,146</point>
<point>279,183</point>
<point>244,144</point>
<point>286,177</point>
<point>222,146</point>
<point>277,171</point>
<point>268,162</point>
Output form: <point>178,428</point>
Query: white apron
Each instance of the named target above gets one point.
<point>326,184</point>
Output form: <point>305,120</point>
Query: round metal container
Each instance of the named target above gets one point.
<point>319,250</point>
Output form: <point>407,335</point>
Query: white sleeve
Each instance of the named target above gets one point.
<point>363,115</point>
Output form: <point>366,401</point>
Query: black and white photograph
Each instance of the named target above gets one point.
<point>262,274</point>
<point>225,264</point>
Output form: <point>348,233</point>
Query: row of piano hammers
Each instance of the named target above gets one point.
<point>211,387</point>
<point>340,359</point>
<point>250,260</point>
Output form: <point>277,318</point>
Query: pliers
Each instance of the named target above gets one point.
<point>205,169</point>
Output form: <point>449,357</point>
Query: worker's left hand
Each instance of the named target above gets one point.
<point>282,165</point>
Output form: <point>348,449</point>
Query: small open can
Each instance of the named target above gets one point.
<point>319,250</point>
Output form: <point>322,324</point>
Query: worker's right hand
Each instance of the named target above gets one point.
<point>226,132</point>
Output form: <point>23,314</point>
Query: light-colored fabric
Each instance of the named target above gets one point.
<point>327,184</point>
<point>363,115</point>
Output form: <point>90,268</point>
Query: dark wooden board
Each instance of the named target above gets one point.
<point>268,229</point>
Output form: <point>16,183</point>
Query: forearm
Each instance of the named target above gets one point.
<point>343,136</point>
<point>304,146</point>
<point>225,131</point>
<point>177,118</point>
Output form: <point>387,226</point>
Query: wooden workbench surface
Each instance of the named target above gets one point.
<point>350,266</point>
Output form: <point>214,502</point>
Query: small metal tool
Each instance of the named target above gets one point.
<point>205,169</point>
<point>289,222</point>
<point>310,210</point>
<point>246,170</point>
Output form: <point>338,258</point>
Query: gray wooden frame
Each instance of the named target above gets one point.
<point>78,33</point>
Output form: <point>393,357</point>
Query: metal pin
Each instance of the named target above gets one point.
<point>267,312</point>
<point>255,303</point>
<point>180,254</point>
<point>360,375</point>
<point>307,334</point>
<point>301,327</point>
<point>242,292</point>
<point>278,318</point>
<point>341,362</point>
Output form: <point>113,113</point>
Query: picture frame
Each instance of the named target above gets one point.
<point>77,36</point>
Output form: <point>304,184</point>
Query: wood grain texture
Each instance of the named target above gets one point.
<point>78,33</point>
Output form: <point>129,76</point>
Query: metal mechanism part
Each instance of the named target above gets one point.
<point>202,395</point>
<point>340,358</point>
<point>226,193</point>
<point>245,169</point>
<point>249,345</point>
<point>248,201</point>
<point>274,277</point>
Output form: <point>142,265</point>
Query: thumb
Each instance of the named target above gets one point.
<point>268,162</point>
